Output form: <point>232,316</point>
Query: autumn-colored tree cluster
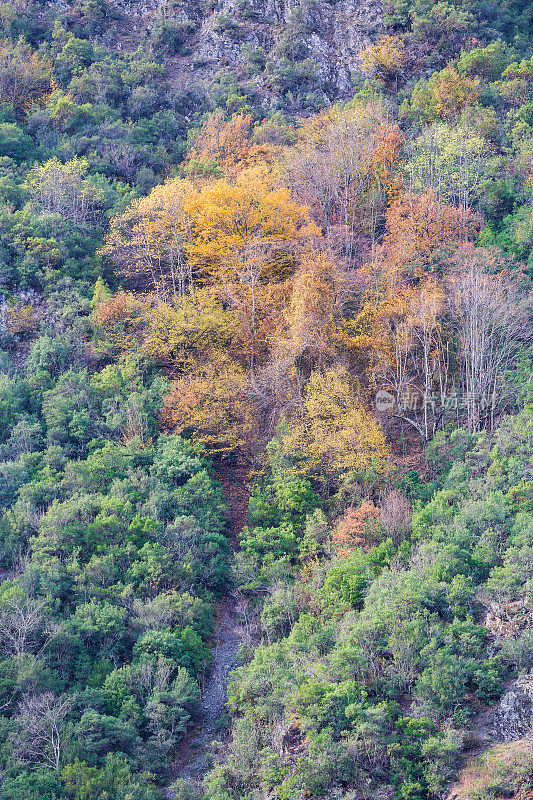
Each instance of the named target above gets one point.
<point>262,344</point>
<point>26,77</point>
<point>293,289</point>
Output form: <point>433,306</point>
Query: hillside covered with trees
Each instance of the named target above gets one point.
<point>266,384</point>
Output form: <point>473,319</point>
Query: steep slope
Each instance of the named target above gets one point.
<point>302,52</point>
<point>193,760</point>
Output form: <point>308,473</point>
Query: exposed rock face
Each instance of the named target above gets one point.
<point>505,620</point>
<point>339,32</point>
<point>326,36</point>
<point>514,717</point>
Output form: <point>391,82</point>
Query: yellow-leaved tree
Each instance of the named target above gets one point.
<point>147,241</point>
<point>314,298</point>
<point>333,437</point>
<point>386,56</point>
<point>187,334</point>
<point>246,231</point>
<point>235,237</point>
<point>305,331</point>
<point>247,235</point>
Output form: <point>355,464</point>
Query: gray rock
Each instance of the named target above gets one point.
<point>514,718</point>
<point>214,695</point>
<point>341,31</point>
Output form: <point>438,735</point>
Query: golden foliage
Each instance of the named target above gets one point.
<point>215,406</point>
<point>187,333</point>
<point>387,56</point>
<point>239,233</point>
<point>309,315</point>
<point>398,311</point>
<point>246,230</point>
<point>333,435</point>
<point>147,240</point>
<point>452,92</point>
<point>21,319</point>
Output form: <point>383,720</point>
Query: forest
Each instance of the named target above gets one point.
<point>266,356</point>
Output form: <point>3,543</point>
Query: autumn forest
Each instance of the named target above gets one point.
<point>266,400</point>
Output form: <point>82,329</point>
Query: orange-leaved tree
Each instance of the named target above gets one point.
<point>420,232</point>
<point>215,405</point>
<point>314,298</point>
<point>345,166</point>
<point>226,146</point>
<point>358,527</point>
<point>407,342</point>
<point>221,142</point>
<point>119,321</point>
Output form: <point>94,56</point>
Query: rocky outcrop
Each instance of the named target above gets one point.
<point>326,36</point>
<point>336,37</point>
<point>506,620</point>
<point>514,717</point>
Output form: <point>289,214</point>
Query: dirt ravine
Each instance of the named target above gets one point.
<point>193,761</point>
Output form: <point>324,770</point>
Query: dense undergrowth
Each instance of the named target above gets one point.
<point>113,553</point>
<point>374,661</point>
<point>336,296</point>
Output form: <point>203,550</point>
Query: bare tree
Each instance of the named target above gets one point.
<point>157,613</point>
<point>333,169</point>
<point>396,513</point>
<point>413,359</point>
<point>244,271</point>
<point>63,189</point>
<point>136,421</point>
<point>21,623</point>
<point>489,311</point>
<point>42,729</point>
<point>149,238</point>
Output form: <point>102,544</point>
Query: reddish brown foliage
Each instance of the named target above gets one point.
<point>359,527</point>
